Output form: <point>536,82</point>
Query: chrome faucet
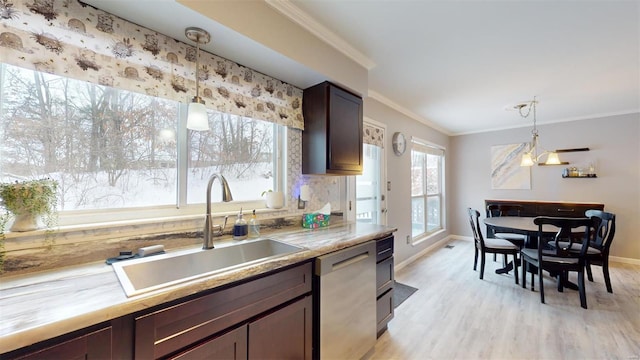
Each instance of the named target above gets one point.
<point>207,241</point>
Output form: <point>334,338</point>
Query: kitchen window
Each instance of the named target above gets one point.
<point>427,189</point>
<point>120,153</point>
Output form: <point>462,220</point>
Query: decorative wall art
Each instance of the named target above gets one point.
<point>506,172</point>
<point>72,39</point>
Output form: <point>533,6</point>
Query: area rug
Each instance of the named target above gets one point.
<point>401,292</point>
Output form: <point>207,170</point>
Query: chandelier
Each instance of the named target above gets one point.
<point>532,157</point>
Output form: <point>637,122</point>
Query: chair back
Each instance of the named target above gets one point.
<point>605,229</point>
<point>474,216</point>
<point>568,233</point>
<point>497,210</point>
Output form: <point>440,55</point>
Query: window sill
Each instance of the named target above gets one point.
<point>120,229</point>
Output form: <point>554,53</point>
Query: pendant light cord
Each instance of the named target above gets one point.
<point>198,69</point>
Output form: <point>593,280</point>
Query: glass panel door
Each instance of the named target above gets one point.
<point>368,187</point>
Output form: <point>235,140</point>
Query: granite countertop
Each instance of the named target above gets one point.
<point>40,306</point>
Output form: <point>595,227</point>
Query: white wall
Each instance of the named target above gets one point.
<point>398,172</point>
<point>615,148</point>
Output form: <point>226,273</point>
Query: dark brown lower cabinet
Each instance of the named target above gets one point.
<point>385,281</point>
<point>172,329</point>
<point>283,334</point>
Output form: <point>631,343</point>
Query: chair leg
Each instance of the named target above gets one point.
<point>482,256</point>
<point>504,260</point>
<point>605,273</point>
<point>583,295</point>
<point>475,260</point>
<point>589,274</point>
<point>524,271</point>
<point>541,284</point>
<point>515,267</point>
<point>495,256</point>
<point>533,279</point>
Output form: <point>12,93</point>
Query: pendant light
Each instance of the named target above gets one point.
<point>531,157</point>
<point>197,118</point>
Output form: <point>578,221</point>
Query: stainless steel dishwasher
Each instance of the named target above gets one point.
<point>347,298</point>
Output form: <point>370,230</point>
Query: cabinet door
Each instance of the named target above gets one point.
<point>231,345</point>
<point>384,312</point>
<point>283,334</point>
<point>96,345</point>
<point>345,131</point>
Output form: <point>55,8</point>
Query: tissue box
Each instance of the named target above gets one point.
<point>315,220</point>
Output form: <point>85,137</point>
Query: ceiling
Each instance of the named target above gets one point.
<point>455,65</point>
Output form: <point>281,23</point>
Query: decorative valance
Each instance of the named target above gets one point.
<point>373,135</point>
<point>71,39</point>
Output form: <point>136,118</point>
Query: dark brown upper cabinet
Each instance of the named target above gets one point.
<point>332,136</point>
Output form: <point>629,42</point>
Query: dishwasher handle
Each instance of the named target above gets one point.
<point>340,259</point>
<point>352,260</point>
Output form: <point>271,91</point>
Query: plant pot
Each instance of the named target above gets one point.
<point>275,199</point>
<point>25,222</point>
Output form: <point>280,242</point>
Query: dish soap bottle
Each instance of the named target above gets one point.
<point>254,226</point>
<point>240,228</point>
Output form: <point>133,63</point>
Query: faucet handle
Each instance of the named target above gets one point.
<point>218,230</point>
<point>224,224</point>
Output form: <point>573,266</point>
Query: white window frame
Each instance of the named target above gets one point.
<point>430,148</point>
<point>180,210</point>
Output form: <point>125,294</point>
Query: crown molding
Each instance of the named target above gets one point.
<point>390,103</point>
<point>294,13</point>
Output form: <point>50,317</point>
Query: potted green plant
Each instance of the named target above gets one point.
<point>29,202</point>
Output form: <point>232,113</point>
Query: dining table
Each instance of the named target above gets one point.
<point>524,225</point>
<point>519,225</point>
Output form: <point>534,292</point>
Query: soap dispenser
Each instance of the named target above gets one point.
<point>240,228</point>
<point>254,226</point>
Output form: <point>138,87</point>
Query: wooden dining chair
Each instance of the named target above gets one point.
<point>491,246</point>
<point>497,210</point>
<point>561,257</point>
<point>599,244</point>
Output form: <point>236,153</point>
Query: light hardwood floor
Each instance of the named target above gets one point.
<point>455,315</point>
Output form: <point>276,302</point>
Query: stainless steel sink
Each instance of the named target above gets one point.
<point>151,273</point>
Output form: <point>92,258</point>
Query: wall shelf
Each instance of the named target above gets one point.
<point>591,176</point>
<point>571,150</point>
<point>562,163</point>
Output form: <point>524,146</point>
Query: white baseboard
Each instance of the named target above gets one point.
<point>434,246</point>
<point>624,260</point>
<point>449,238</point>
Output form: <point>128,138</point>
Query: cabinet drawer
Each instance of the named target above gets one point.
<point>384,248</point>
<point>171,329</point>
<point>384,276</point>
<point>562,210</point>
<point>384,311</point>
